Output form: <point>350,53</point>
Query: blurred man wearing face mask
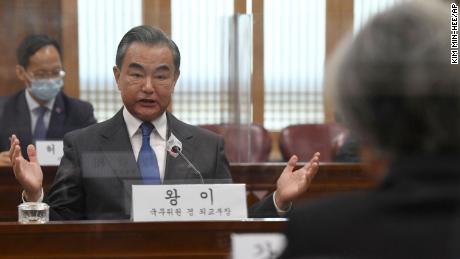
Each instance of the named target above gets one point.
<point>41,111</point>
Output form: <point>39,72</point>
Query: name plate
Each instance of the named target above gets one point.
<point>189,202</point>
<point>49,152</point>
<point>255,246</point>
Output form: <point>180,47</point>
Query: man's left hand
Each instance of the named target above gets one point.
<point>291,184</point>
<point>5,159</point>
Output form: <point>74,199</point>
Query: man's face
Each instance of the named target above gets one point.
<point>146,80</point>
<point>45,63</point>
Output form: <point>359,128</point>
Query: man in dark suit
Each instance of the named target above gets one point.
<point>101,162</point>
<point>400,95</point>
<point>41,110</point>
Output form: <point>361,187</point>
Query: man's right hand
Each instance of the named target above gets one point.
<point>28,173</point>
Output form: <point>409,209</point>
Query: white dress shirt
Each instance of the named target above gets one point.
<point>33,105</point>
<point>157,137</point>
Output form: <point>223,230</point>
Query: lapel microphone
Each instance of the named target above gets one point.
<point>174,148</point>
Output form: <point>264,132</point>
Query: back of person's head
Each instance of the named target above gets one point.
<point>149,35</point>
<point>31,44</point>
<point>395,85</point>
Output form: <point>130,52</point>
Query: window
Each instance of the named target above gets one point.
<point>364,9</point>
<point>294,50</point>
<point>294,56</point>
<point>101,25</point>
<point>201,31</point>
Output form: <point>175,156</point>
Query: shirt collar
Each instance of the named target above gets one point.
<point>34,104</point>
<point>133,124</point>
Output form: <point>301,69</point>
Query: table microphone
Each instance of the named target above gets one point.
<point>174,148</point>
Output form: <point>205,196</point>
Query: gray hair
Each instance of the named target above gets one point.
<point>395,86</point>
<point>148,35</point>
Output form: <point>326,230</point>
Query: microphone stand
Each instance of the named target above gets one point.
<point>191,165</point>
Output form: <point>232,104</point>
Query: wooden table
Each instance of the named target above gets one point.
<point>260,179</point>
<point>331,179</point>
<point>124,239</point>
<point>10,191</point>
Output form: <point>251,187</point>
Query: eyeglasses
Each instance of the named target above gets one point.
<point>46,74</point>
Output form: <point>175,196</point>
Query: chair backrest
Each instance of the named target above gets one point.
<point>243,143</point>
<point>304,140</point>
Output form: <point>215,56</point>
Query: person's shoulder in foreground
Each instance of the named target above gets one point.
<point>393,221</point>
<point>400,95</point>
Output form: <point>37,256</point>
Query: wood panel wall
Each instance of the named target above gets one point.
<point>339,21</point>
<point>18,18</point>
<point>158,13</point>
<point>69,43</point>
<point>56,18</point>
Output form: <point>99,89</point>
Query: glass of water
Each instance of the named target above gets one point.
<point>33,213</point>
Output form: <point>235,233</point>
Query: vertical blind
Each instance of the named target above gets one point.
<point>101,25</point>
<point>201,30</point>
<point>294,50</point>
<point>365,9</point>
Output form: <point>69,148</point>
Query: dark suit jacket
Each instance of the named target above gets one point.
<point>98,169</point>
<point>415,213</point>
<point>2,103</point>
<point>68,114</point>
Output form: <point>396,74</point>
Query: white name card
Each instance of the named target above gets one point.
<point>49,152</point>
<point>255,246</point>
<point>189,202</point>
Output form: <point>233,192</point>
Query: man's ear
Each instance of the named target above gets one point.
<point>20,73</point>
<point>176,77</point>
<point>116,74</point>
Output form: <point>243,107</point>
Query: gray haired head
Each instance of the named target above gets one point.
<point>395,85</point>
<point>148,35</point>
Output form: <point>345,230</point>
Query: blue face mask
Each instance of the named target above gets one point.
<point>46,89</point>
